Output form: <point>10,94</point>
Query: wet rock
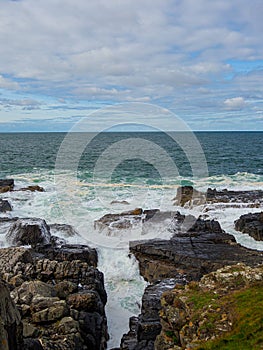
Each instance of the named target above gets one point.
<point>66,230</point>
<point>69,252</point>
<point>29,232</point>
<point>188,195</point>
<point>6,185</point>
<point>33,188</point>
<point>145,328</point>
<point>10,321</point>
<point>202,249</point>
<point>226,196</point>
<point>4,206</point>
<point>251,224</point>
<point>124,220</point>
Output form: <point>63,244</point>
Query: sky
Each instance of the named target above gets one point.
<point>60,60</point>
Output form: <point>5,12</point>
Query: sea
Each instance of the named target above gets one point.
<point>87,175</point>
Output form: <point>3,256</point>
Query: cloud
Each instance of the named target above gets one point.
<point>180,54</point>
<point>235,103</point>
<point>8,84</point>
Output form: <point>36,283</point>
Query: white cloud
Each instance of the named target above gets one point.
<point>235,103</point>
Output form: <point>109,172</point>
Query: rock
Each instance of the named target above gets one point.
<point>65,288</point>
<point>29,231</point>
<point>69,252</point>
<point>225,196</point>
<point>88,301</point>
<point>202,311</point>
<point>53,313</point>
<point>32,344</point>
<point>6,185</point>
<point>10,321</point>
<point>33,188</point>
<point>145,328</point>
<point>29,330</point>
<point>119,202</point>
<point>4,206</point>
<point>61,301</point>
<point>187,194</point>
<point>251,224</point>
<point>124,220</point>
<point>66,230</point>
<point>204,248</point>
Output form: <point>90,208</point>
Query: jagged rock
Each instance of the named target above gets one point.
<point>10,321</point>
<point>187,194</point>
<point>67,230</point>
<point>56,311</point>
<point>225,196</point>
<point>124,220</point>
<point>145,328</point>
<point>56,294</point>
<point>251,224</point>
<point>29,231</point>
<point>190,196</point>
<point>68,252</point>
<point>4,206</point>
<point>204,248</point>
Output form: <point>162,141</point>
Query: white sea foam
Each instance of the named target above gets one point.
<point>123,282</point>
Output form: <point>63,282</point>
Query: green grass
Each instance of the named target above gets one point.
<point>246,307</point>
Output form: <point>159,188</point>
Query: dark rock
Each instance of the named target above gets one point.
<point>204,248</point>
<point>6,185</point>
<point>66,230</point>
<point>4,206</point>
<point>124,220</point>
<point>145,328</point>
<point>225,196</point>
<point>32,344</point>
<point>61,302</point>
<point>32,188</point>
<point>10,321</point>
<point>251,224</point>
<point>69,252</point>
<point>28,232</point>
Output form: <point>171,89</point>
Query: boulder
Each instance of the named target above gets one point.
<point>251,224</point>
<point>188,195</point>
<point>4,206</point>
<point>29,232</point>
<point>6,185</point>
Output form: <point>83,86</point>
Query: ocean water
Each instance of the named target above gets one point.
<point>90,175</point>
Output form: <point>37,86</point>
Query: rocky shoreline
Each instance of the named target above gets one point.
<point>54,296</point>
